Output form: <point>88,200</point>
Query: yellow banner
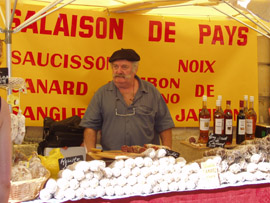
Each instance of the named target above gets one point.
<point>64,60</point>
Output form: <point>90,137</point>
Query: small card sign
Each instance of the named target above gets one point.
<point>3,76</point>
<point>172,153</point>
<point>216,141</point>
<point>63,163</point>
<point>209,175</point>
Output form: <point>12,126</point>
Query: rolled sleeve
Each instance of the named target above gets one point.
<point>93,116</point>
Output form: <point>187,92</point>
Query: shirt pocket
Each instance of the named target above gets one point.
<point>144,110</point>
<point>146,120</point>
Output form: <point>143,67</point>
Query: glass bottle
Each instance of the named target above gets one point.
<point>204,119</point>
<point>245,104</point>
<point>218,119</point>
<point>241,124</point>
<point>220,98</point>
<point>228,119</point>
<point>251,118</point>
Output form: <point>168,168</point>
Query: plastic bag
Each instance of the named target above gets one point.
<point>51,162</point>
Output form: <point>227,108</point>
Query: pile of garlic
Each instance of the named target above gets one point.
<point>247,162</point>
<point>154,172</point>
<point>17,127</point>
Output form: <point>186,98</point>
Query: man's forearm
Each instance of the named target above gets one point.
<point>166,137</point>
<point>90,138</point>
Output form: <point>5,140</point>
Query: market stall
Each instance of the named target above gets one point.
<point>156,174</point>
<point>220,175</point>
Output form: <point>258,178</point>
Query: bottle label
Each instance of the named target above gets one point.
<point>228,127</point>
<point>249,126</point>
<point>219,126</point>
<point>242,127</point>
<point>204,123</point>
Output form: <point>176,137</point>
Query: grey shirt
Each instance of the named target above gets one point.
<point>137,124</point>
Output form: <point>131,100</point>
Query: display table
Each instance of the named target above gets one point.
<point>246,194</point>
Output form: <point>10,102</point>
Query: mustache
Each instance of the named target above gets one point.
<point>122,76</point>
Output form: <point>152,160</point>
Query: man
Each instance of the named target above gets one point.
<point>128,110</point>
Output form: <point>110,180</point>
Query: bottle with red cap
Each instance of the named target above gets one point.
<point>228,119</point>
<point>241,124</point>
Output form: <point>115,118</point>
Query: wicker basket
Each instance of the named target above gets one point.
<point>27,189</point>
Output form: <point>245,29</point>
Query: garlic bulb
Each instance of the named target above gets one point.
<point>62,183</point>
<point>45,195</point>
<point>51,185</point>
<point>66,174</point>
<point>139,162</point>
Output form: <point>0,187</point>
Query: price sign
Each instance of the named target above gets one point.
<point>3,76</point>
<point>216,141</point>
<point>63,163</point>
<point>172,153</point>
<point>209,175</point>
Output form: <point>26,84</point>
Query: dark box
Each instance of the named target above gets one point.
<point>3,76</point>
<point>262,130</point>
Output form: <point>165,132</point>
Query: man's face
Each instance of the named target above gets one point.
<point>122,70</point>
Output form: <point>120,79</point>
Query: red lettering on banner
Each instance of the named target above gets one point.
<point>116,28</point>
<point>164,83</point>
<point>76,61</point>
<point>155,31</point>
<point>73,26</point>
<point>43,27</point>
<point>16,21</point>
<point>205,31</point>
<point>242,36</point>
<point>218,32</point>
<point>103,28</point>
<point>174,98</point>
<point>235,113</point>
<point>53,112</point>
<point>195,66</point>
<point>33,26</point>
<point>218,35</point>
<point>169,32</point>
<point>53,60</point>
<point>55,87</point>
<point>16,57</point>
<point>231,33</point>
<point>39,60</point>
<point>87,27</point>
<point>200,90</point>
<point>191,115</point>
<point>29,58</point>
<point>58,60</point>
<point>61,25</point>
<point>65,87</point>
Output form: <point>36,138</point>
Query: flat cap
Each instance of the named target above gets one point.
<point>124,54</point>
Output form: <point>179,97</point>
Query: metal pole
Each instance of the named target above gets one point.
<point>8,44</point>
<point>8,38</point>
